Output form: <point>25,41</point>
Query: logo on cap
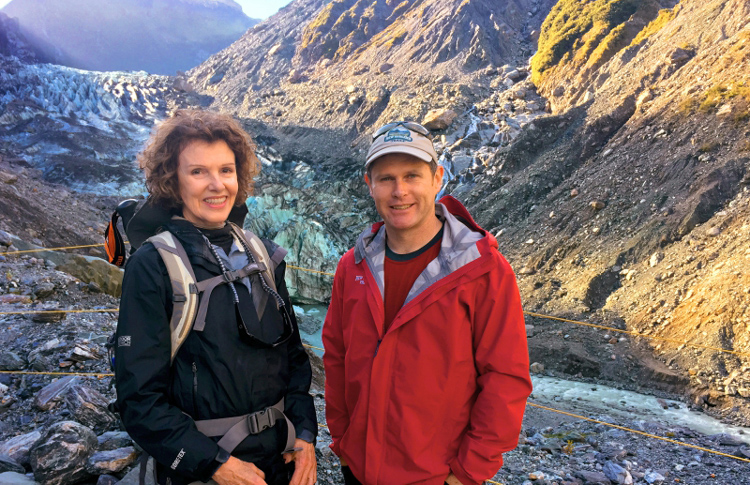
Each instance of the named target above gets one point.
<point>398,134</point>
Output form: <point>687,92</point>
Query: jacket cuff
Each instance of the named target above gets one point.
<point>306,435</point>
<point>460,473</point>
<point>208,471</point>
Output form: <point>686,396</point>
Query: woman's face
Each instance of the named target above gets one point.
<point>207,177</point>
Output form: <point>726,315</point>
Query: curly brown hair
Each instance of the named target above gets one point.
<point>160,159</point>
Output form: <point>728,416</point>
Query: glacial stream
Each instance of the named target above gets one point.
<point>591,400</point>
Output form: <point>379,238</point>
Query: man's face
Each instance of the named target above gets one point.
<point>404,191</point>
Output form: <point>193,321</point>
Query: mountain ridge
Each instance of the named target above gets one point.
<point>143,35</point>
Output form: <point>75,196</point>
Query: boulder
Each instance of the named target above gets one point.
<point>514,75</point>
<point>107,480</point>
<point>5,239</point>
<point>48,314</point>
<point>83,352</point>
<point>90,269</point>
<point>111,440</point>
<point>383,68</point>
<point>679,56</point>
<point>52,393</point>
<point>111,461</point>
<point>593,478</point>
<point>18,447</point>
<point>644,98</point>
<point>89,408</point>
<point>11,361</point>
<point>617,474</point>
<point>13,478</point>
<point>558,91</point>
<point>439,119</point>
<point>62,454</point>
<point>8,464</point>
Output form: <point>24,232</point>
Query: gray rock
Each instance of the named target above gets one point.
<point>62,454</point>
<point>13,478</point>
<point>593,478</point>
<point>111,440</point>
<point>5,239</point>
<point>111,461</point>
<point>47,314</point>
<point>52,393</point>
<point>44,290</point>
<point>617,474</point>
<point>726,439</point>
<point>107,480</point>
<point>89,408</point>
<point>18,447</point>
<point>385,67</point>
<point>653,477</point>
<point>11,361</point>
<point>83,352</point>
<point>8,464</point>
<point>514,75</point>
<point>678,56</point>
<point>439,119</point>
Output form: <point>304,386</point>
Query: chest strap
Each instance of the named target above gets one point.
<point>235,429</point>
<point>205,288</point>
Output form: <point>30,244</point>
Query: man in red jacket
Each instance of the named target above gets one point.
<point>427,368</point>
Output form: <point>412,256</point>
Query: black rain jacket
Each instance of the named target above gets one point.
<point>214,374</point>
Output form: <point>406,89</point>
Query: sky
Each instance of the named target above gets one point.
<point>258,9</point>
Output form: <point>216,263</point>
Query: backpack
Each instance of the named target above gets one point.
<point>143,224</point>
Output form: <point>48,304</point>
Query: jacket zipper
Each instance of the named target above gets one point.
<point>377,347</point>
<point>195,388</point>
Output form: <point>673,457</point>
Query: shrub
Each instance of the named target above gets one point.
<point>568,22</point>
<point>665,15</point>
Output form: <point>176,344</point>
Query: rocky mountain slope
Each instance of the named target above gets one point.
<point>342,67</point>
<point>157,36</point>
<point>606,207</point>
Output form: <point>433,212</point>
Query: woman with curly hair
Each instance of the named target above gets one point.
<point>231,404</point>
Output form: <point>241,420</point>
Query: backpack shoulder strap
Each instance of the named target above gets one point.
<point>184,291</point>
<point>260,253</point>
<point>267,278</point>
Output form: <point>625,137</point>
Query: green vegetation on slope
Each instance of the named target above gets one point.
<point>569,21</point>
<point>665,15</point>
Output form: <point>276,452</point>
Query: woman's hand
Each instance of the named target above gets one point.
<point>305,466</point>
<point>238,472</point>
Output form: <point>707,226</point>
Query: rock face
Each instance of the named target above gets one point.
<point>61,456</point>
<point>83,35</point>
<point>312,48</point>
<point>14,43</point>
